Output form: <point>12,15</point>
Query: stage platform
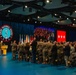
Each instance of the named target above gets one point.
<point>15,67</point>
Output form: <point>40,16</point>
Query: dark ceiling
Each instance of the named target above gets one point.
<point>60,12</point>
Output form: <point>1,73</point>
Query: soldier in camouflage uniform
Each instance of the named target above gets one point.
<point>18,47</point>
<point>21,51</point>
<point>14,48</point>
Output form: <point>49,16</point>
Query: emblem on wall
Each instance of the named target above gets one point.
<point>6,33</point>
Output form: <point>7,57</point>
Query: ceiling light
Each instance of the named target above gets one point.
<point>38,17</point>
<point>35,21</point>
<point>47,1</point>
<point>55,14</point>
<point>60,16</point>
<point>74,19</point>
<point>28,19</point>
<point>75,11</point>
<point>9,11</point>
<point>58,21</point>
<point>67,18</point>
<point>73,24</point>
<point>25,6</point>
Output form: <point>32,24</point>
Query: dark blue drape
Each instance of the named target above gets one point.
<point>19,29</point>
<point>72,36</point>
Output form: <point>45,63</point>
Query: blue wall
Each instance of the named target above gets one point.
<point>21,28</point>
<point>72,35</point>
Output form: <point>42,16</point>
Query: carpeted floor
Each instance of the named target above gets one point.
<point>15,67</point>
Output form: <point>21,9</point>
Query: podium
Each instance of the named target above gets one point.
<point>4,49</point>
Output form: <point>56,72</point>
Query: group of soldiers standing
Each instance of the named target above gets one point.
<point>23,50</point>
<point>57,52</point>
<point>19,50</point>
<point>45,52</point>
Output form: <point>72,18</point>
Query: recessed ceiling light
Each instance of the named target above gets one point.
<point>74,19</point>
<point>67,18</point>
<point>73,24</point>
<point>60,16</point>
<point>58,21</point>
<point>55,14</point>
<point>38,17</point>
<point>47,1</point>
<point>35,21</point>
<point>9,11</point>
<point>28,19</point>
<point>25,6</point>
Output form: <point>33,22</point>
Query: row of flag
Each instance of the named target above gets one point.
<point>25,38</point>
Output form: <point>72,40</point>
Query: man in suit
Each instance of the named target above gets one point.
<point>54,53</point>
<point>66,53</point>
<point>34,46</point>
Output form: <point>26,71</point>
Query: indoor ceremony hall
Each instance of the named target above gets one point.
<point>37,37</point>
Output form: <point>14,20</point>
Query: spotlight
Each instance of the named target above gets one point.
<point>74,19</point>
<point>55,14</point>
<point>47,1</point>
<point>58,21</point>
<point>35,21</point>
<point>25,6</point>
<point>9,11</point>
<point>28,19</point>
<point>60,16</point>
<point>67,18</point>
<point>38,17</point>
<point>73,24</point>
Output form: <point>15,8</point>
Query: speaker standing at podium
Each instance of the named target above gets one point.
<point>34,46</point>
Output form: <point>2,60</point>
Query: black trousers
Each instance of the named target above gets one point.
<point>33,56</point>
